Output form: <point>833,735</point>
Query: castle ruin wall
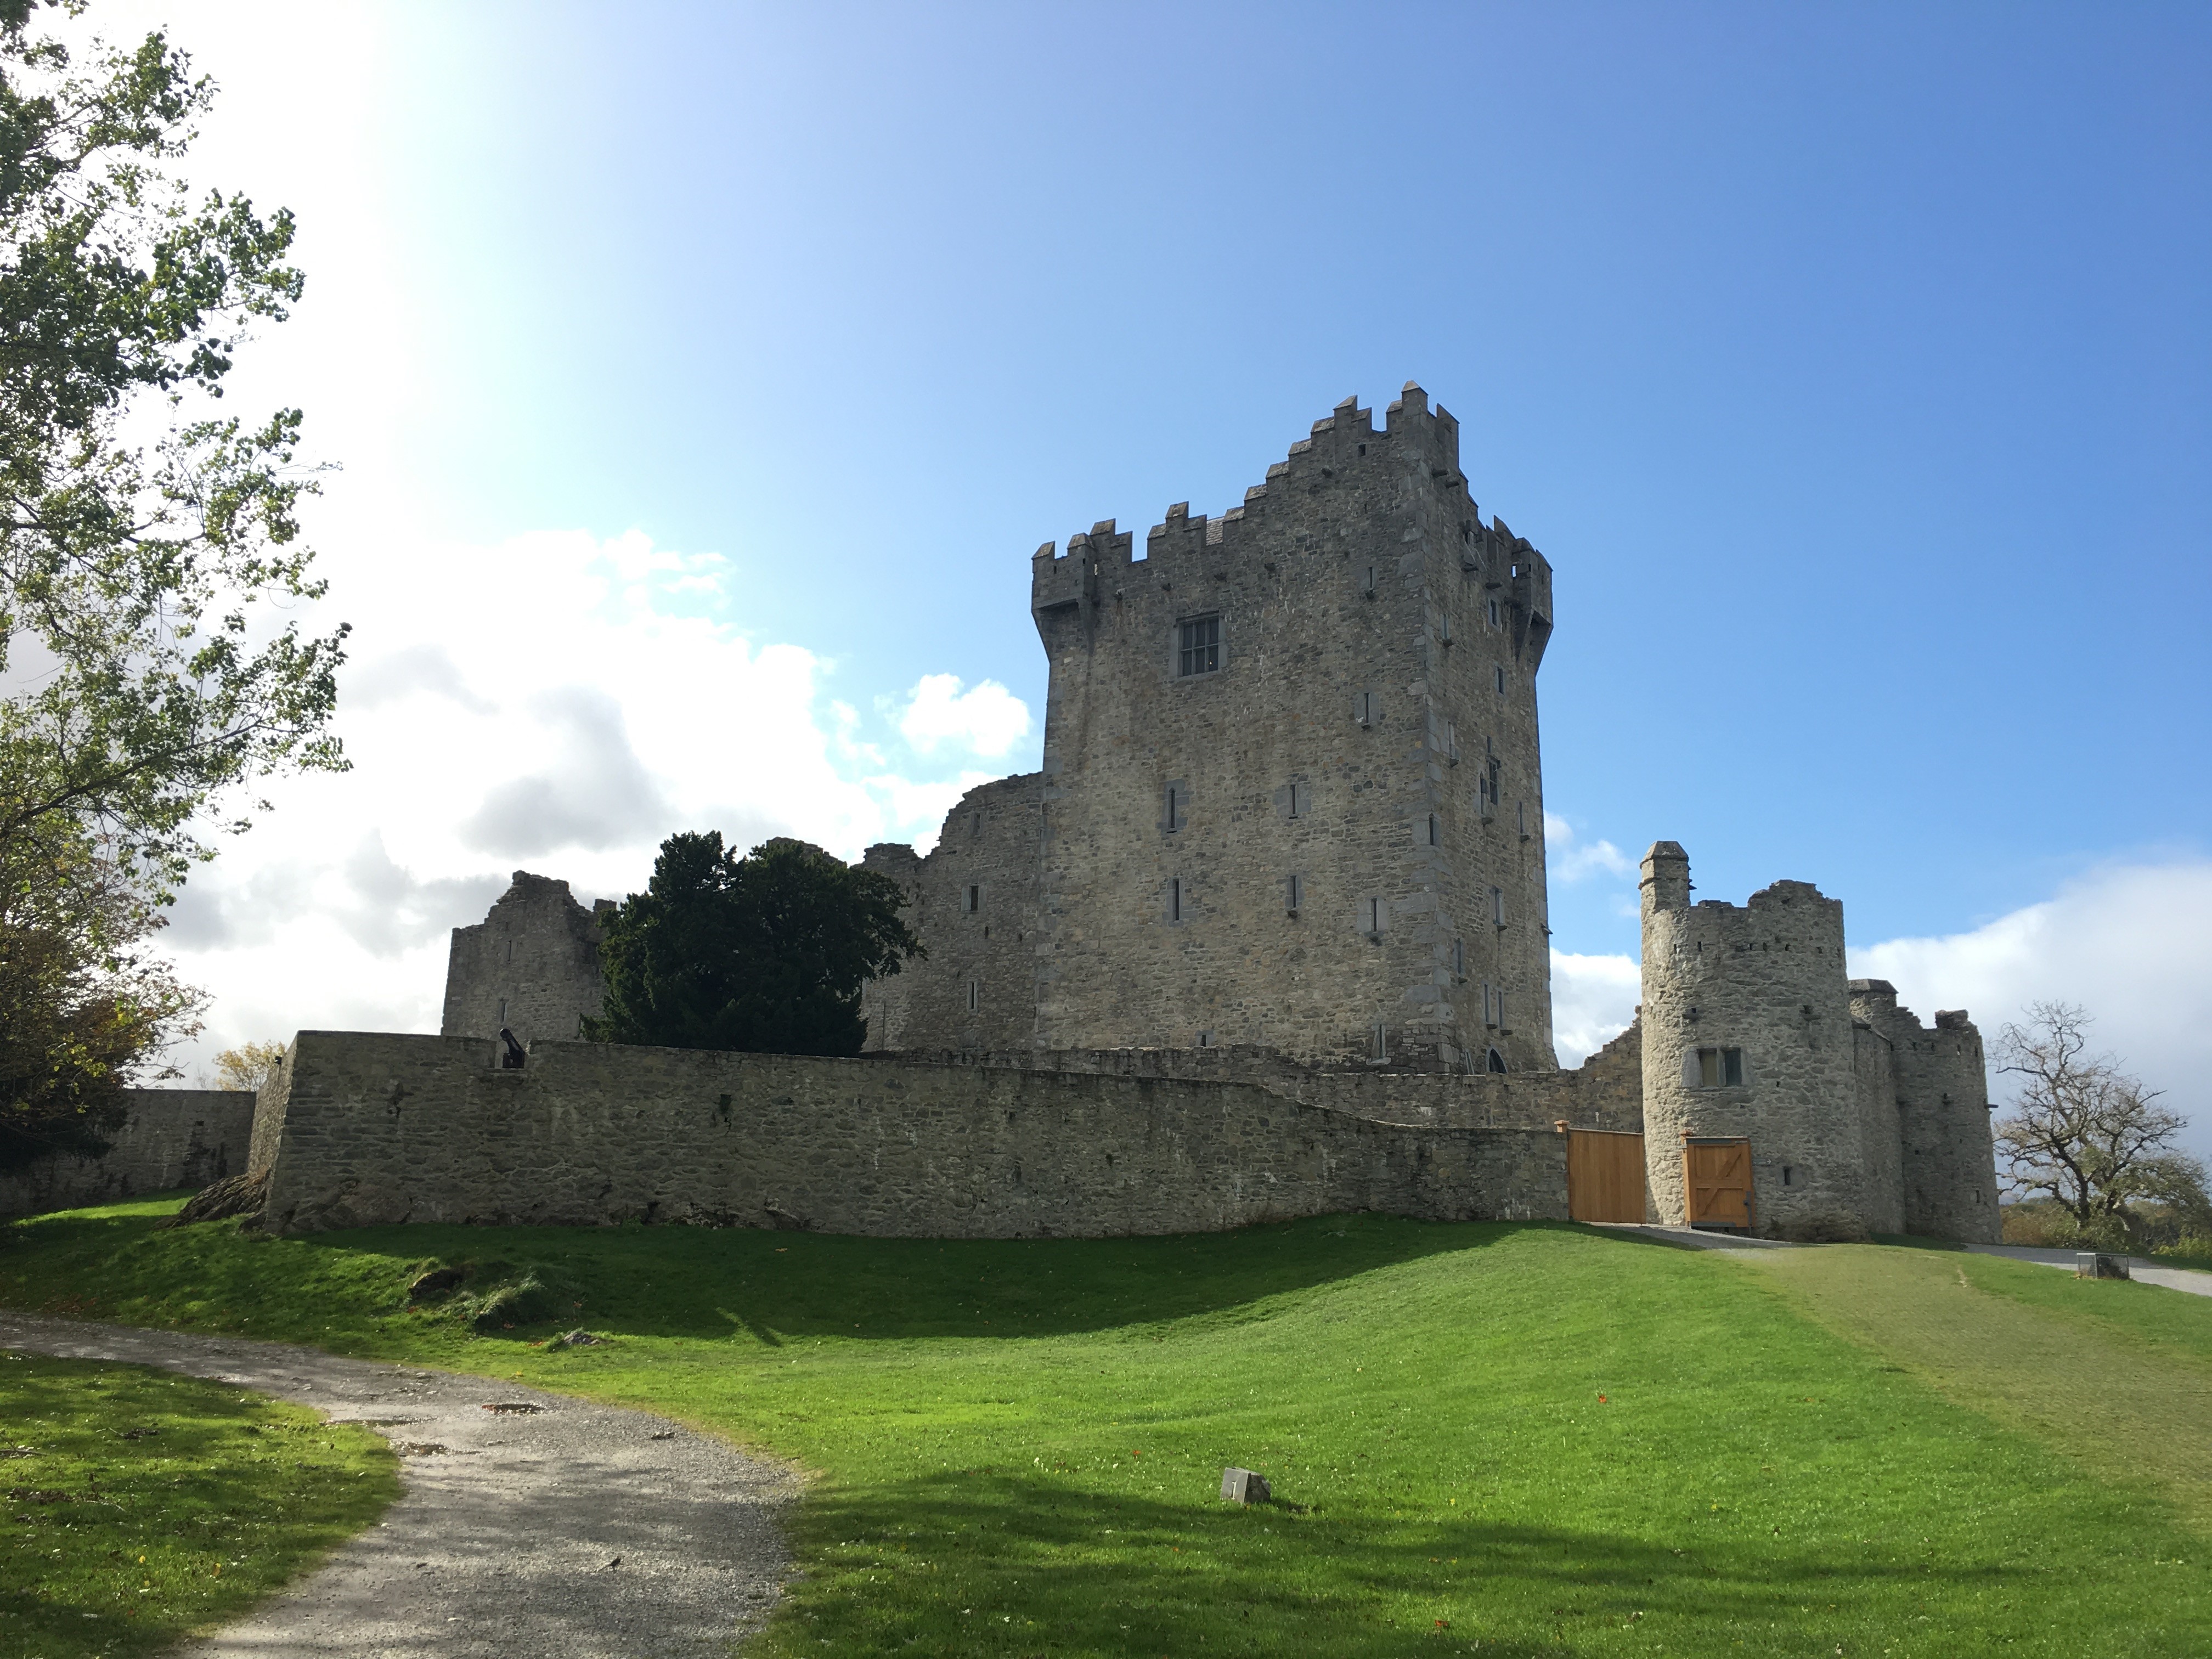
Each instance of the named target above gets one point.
<point>168,1139</point>
<point>532,964</point>
<point>369,1130</point>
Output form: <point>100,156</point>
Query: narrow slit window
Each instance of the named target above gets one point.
<point>1494,613</point>
<point>974,994</point>
<point>1382,1041</point>
<point>1375,915</point>
<point>502,1011</point>
<point>1499,673</point>
<point>1362,708</point>
<point>1459,958</point>
<point>1174,808</point>
<point>1294,893</point>
<point>974,901</point>
<point>1790,1176</point>
<point>1497,906</point>
<point>1199,647</point>
<point>1436,831</point>
<point>1175,899</point>
<point>1297,806</point>
<point>1367,583</point>
<point>1447,628</point>
<point>1520,813</point>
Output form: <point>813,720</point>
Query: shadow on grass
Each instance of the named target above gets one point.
<point>686,1281</point>
<point>1022,1563</point>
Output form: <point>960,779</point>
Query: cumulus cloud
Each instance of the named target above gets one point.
<point>2131,942</point>
<point>985,719</point>
<point>556,701</point>
<point>1568,859</point>
<point>1594,998</point>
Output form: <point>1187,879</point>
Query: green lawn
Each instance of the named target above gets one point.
<point>140,1506</point>
<point>1496,1439</point>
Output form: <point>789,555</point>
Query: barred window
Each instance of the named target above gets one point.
<point>1199,642</point>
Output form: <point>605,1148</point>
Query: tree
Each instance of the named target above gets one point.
<point>147,544</point>
<point>248,1066</point>
<point>2084,1135</point>
<point>765,953</point>
<point>148,559</point>
<point>84,1006</point>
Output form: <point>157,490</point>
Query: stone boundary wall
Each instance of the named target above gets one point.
<point>171,1138</point>
<point>1606,1092</point>
<point>365,1129</point>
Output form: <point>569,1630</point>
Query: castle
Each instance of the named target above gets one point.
<point>1288,840</point>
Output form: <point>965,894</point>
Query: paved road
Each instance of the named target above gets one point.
<point>506,1542</point>
<point>2140,1268</point>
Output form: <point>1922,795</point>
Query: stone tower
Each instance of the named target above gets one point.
<point>1291,795</point>
<point>532,964</point>
<point>1940,1079</point>
<point>1748,1032</point>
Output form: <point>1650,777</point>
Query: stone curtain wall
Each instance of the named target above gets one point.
<point>171,1138</point>
<point>1606,1093</point>
<point>532,964</point>
<point>367,1130</point>
<point>1367,620</point>
<point>1948,1161</point>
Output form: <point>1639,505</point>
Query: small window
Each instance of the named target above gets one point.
<point>1382,1041</point>
<point>1790,1176</point>
<point>1447,628</point>
<point>1375,915</point>
<point>1199,647</point>
<point>1436,831</point>
<point>1720,1068</point>
<point>502,1011</point>
<point>1298,801</point>
<point>974,899</point>
<point>1459,958</point>
<point>1497,1061</point>
<point>1175,898</point>
<point>1498,906</point>
<point>510,950</point>
<point>1493,614</point>
<point>1520,813</point>
<point>1367,583</point>
<point>1362,708</point>
<point>1173,821</point>
<point>1294,893</point>
<point>1451,742</point>
<point>974,994</point>
<point>1489,1006</point>
<point>1205,1039</point>
<point>1499,672</point>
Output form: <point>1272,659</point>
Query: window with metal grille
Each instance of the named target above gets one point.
<point>1199,645</point>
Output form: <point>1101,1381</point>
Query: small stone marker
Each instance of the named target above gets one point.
<point>2095,1264</point>
<point>1242,1486</point>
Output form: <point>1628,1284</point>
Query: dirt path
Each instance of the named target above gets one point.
<point>550,1527</point>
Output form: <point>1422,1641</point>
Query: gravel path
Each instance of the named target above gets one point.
<point>531,1524</point>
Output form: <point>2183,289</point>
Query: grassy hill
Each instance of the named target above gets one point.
<point>1505,1440</point>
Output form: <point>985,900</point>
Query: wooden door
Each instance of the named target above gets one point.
<point>1605,1176</point>
<point>1718,1180</point>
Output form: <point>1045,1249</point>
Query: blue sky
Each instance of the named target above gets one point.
<point>1852,365</point>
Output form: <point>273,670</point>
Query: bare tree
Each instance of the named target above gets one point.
<point>2083,1132</point>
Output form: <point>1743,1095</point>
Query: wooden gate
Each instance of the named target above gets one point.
<point>1605,1176</point>
<point>1716,1177</point>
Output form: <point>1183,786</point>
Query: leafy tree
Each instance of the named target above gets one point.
<point>148,559</point>
<point>765,953</point>
<point>85,1008</point>
<point>148,543</point>
<point>248,1066</point>
<point>2086,1138</point>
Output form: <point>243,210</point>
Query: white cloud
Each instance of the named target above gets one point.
<point>556,701</point>
<point>1568,859</point>
<point>985,719</point>
<point>2131,942</point>
<point>1593,999</point>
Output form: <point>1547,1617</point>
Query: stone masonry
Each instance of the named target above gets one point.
<point>169,1137</point>
<point>1860,1121</point>
<point>361,1129</point>
<point>1291,796</point>
<point>532,964</point>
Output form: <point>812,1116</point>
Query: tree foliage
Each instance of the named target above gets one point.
<point>150,560</point>
<point>765,953</point>
<point>148,542</point>
<point>85,1006</point>
<point>248,1066</point>
<point>2085,1137</point>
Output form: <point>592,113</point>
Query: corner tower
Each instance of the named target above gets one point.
<point>1293,792</point>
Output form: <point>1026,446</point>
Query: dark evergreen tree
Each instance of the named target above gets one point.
<point>765,953</point>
